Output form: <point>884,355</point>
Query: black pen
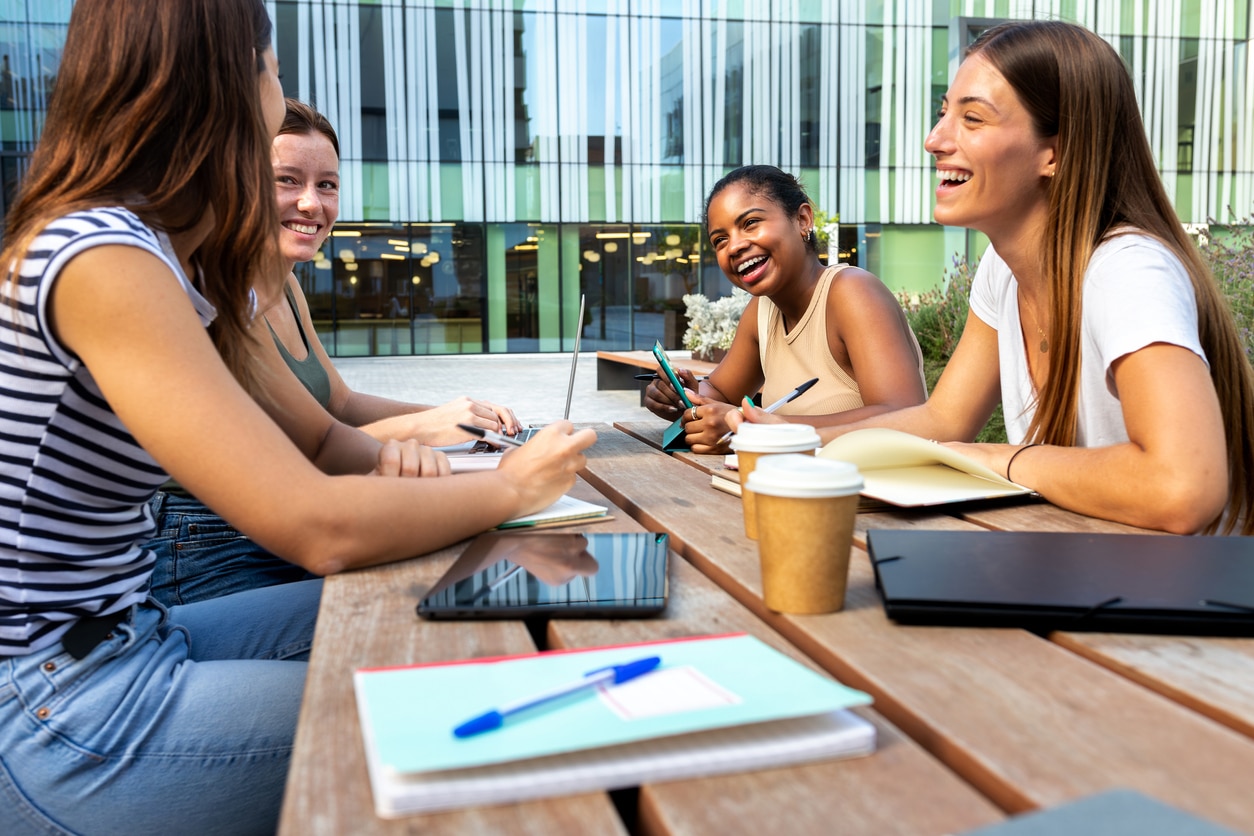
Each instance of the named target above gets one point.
<point>789,397</point>
<point>656,376</point>
<point>490,436</point>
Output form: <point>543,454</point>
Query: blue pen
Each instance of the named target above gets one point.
<point>612,675</point>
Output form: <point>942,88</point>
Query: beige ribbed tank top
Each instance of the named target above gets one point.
<point>790,359</point>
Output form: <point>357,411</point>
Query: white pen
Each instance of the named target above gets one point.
<point>790,396</point>
<point>490,436</point>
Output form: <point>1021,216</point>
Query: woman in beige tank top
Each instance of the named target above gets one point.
<point>839,324</point>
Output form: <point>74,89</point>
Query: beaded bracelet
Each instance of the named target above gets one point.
<point>1015,455</point>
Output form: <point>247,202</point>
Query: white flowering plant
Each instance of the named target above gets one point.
<point>713,324</point>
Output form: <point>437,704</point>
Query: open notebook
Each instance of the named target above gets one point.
<point>479,455</point>
<point>908,471</point>
<point>715,705</point>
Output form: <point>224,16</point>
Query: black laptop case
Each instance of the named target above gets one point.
<point>1135,583</point>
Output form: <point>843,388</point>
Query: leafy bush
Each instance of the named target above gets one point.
<point>937,316</point>
<point>1229,250</point>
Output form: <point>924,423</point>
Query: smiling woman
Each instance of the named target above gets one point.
<point>1125,388</point>
<point>838,324</point>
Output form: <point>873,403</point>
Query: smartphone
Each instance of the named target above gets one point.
<point>665,363</point>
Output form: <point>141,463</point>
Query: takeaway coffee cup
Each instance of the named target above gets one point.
<point>806,508</point>
<point>754,441</point>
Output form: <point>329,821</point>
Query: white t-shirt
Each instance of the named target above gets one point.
<point>1136,292</point>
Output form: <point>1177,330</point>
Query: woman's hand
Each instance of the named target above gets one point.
<point>705,424</point>
<point>753,414</point>
<point>996,457</point>
<point>545,467</point>
<point>662,400</point>
<point>437,426</point>
<point>409,458</point>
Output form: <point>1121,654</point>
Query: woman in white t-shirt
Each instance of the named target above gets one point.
<point>1126,390</point>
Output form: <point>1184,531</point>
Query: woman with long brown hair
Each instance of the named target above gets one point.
<point>1126,390</point>
<point>148,213</point>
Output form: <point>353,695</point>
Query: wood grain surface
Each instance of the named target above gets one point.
<point>367,619</point>
<point>1027,721</point>
<point>900,789</point>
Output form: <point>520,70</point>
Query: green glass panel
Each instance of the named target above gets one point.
<point>375,200</point>
<point>452,204</point>
<point>568,311</point>
<point>1190,18</point>
<point>494,238</point>
<point>1183,196</point>
<point>596,192</point>
<point>671,184</point>
<point>548,286</point>
<point>810,11</point>
<point>911,258</point>
<point>527,191</point>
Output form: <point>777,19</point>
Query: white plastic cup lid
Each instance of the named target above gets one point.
<point>804,477</point>
<point>775,438</point>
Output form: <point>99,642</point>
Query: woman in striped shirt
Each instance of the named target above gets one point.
<point>147,213</point>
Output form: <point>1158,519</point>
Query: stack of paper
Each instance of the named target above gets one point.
<point>727,478</point>
<point>715,705</point>
<point>565,511</point>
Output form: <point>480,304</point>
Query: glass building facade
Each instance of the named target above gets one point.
<point>501,157</point>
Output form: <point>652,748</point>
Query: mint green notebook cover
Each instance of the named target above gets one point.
<point>409,713</point>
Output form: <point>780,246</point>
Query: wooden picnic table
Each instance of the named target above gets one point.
<point>973,724</point>
<point>1031,721</point>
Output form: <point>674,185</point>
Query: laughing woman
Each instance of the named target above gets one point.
<point>1126,389</point>
<point>838,324</point>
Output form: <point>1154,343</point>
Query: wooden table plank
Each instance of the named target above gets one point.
<point>367,619</point>
<point>648,430</point>
<point>1213,676</point>
<point>901,789</point>
<point>1023,719</point>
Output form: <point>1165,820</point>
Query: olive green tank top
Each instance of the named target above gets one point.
<point>309,371</point>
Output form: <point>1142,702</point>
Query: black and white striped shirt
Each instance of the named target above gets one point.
<point>74,483</point>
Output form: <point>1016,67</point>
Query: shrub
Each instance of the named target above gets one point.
<point>1229,250</point>
<point>937,318</point>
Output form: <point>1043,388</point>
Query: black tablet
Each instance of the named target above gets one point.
<point>555,574</point>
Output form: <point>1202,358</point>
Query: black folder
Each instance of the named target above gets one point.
<point>1132,583</point>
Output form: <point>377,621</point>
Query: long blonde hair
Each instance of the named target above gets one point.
<point>157,108</point>
<point>1077,89</point>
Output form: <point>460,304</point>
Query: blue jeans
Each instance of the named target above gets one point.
<point>180,723</point>
<point>201,556</point>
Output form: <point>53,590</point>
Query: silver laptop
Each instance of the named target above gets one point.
<point>479,455</point>
<point>526,432</point>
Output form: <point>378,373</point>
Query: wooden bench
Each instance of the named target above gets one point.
<point>617,369</point>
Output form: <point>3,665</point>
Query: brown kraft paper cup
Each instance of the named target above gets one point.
<point>804,544</point>
<point>752,445</point>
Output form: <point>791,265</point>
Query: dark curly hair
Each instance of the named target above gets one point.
<point>779,186</point>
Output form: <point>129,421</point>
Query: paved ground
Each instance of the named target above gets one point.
<point>533,385</point>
